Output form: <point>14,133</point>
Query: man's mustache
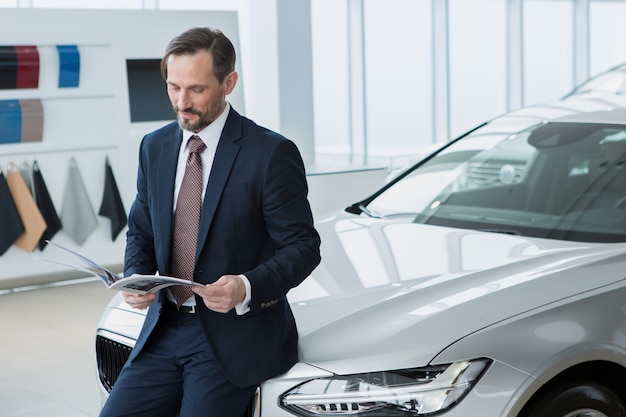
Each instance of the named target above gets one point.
<point>189,110</point>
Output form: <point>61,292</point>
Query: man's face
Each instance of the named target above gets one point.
<point>196,94</point>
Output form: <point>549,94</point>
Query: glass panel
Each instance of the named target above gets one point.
<point>548,50</point>
<point>199,5</point>
<point>82,4</point>
<point>330,71</point>
<point>398,76</point>
<point>607,35</point>
<point>477,62</point>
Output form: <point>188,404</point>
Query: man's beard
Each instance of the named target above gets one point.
<point>202,122</point>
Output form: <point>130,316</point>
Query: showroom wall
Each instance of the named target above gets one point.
<point>89,121</point>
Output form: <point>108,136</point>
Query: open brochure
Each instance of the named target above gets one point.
<point>140,284</point>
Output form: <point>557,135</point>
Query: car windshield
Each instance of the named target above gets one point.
<point>558,180</point>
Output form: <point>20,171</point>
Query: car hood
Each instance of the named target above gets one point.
<point>393,294</point>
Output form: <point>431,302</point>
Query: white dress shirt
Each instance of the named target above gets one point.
<point>210,135</point>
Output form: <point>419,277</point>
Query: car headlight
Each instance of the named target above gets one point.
<point>408,392</point>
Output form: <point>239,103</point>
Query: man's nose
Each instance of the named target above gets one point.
<point>183,101</point>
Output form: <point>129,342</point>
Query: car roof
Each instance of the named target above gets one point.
<point>616,116</point>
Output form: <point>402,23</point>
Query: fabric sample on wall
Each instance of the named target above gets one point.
<point>32,120</point>
<point>10,121</point>
<point>69,66</point>
<point>8,68</point>
<point>19,67</point>
<point>27,66</point>
<point>112,206</point>
<point>46,207</point>
<point>77,214</point>
<point>26,172</point>
<point>10,221</point>
<point>21,121</point>
<point>33,221</point>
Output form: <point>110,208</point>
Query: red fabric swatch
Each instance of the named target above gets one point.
<point>27,66</point>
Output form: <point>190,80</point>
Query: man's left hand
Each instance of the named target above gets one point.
<point>224,294</point>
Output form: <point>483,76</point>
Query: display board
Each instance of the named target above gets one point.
<point>73,95</point>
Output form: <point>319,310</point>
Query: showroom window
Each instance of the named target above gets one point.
<point>548,50</point>
<point>477,50</point>
<point>607,34</point>
<point>431,70</point>
<point>393,78</point>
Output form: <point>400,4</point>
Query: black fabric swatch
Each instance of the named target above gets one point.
<point>112,206</point>
<point>10,221</point>
<point>46,207</point>
<point>8,68</point>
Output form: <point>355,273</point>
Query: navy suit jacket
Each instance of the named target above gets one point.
<point>256,220</point>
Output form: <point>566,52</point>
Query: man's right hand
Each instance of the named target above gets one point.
<point>138,301</point>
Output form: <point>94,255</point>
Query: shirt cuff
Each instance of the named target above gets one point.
<point>243,307</point>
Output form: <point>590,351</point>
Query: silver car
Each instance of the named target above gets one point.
<point>487,280</point>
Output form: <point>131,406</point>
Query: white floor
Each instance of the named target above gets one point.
<point>47,365</point>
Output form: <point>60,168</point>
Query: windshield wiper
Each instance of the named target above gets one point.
<point>502,231</point>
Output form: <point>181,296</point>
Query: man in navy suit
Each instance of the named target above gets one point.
<point>256,241</point>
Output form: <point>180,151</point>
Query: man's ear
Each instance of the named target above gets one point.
<point>230,81</point>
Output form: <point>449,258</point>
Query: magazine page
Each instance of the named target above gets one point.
<point>140,284</point>
<point>144,284</point>
<point>85,265</point>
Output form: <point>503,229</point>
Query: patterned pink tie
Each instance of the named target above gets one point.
<point>186,221</point>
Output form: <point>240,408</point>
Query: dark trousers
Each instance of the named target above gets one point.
<point>176,370</point>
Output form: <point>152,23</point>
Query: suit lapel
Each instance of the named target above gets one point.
<point>223,161</point>
<point>168,161</point>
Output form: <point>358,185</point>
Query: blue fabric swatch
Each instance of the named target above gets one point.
<point>10,121</point>
<point>69,66</point>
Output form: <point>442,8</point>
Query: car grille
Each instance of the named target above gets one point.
<point>111,357</point>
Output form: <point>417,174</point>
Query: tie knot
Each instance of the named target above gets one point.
<point>196,145</point>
